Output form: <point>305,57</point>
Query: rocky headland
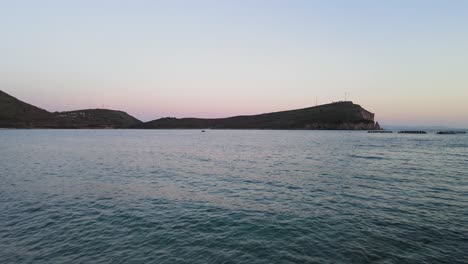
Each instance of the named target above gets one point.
<point>335,116</point>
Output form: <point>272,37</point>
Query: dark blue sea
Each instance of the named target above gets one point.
<point>225,196</point>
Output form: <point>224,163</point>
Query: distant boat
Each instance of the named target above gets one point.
<point>412,132</point>
<point>203,131</point>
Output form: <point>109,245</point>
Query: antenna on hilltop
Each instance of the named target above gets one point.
<point>316,100</point>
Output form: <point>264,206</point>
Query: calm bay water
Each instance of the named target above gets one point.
<point>181,196</point>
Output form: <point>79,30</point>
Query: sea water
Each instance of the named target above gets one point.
<point>232,196</point>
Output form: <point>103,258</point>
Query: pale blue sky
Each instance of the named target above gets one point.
<point>407,61</point>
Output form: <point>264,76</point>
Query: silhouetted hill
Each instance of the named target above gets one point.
<point>14,111</point>
<point>17,114</point>
<point>341,115</point>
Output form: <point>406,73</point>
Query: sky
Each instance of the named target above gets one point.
<point>406,61</point>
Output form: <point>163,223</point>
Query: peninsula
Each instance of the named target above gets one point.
<point>335,116</point>
<point>340,115</point>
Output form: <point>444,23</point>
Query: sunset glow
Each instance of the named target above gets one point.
<point>405,61</point>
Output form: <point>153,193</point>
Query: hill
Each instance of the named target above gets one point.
<point>340,115</point>
<point>14,112</point>
<point>17,114</point>
<point>94,118</point>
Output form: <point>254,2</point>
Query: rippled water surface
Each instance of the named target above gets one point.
<point>181,196</point>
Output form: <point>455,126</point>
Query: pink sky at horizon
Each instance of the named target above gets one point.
<point>405,61</point>
<point>146,108</point>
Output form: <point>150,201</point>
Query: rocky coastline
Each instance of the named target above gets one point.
<point>335,116</point>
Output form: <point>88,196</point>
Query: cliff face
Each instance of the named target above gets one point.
<point>17,114</point>
<point>366,115</point>
<point>342,115</point>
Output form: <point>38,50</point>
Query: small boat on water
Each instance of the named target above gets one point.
<point>450,132</point>
<point>412,132</point>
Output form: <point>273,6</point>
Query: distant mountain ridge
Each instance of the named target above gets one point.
<point>17,114</point>
<point>341,115</point>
